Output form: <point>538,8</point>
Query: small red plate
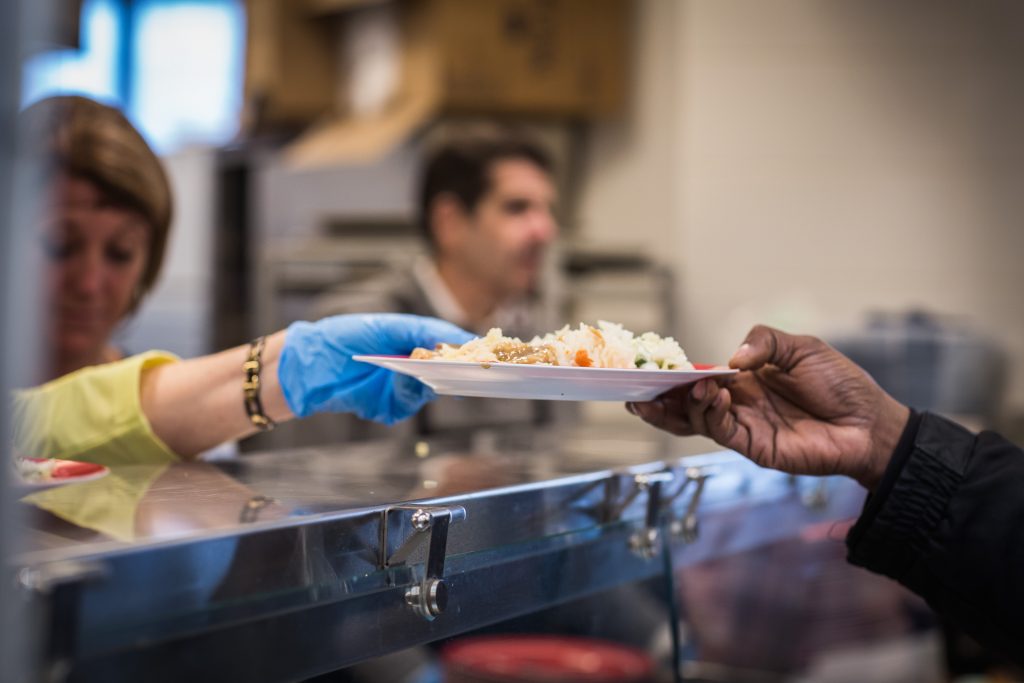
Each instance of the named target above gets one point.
<point>64,472</point>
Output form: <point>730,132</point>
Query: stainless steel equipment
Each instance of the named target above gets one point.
<point>279,566</point>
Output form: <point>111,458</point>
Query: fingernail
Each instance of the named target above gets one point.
<point>741,352</point>
<point>631,407</point>
<point>698,391</point>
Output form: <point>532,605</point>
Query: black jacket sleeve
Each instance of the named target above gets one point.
<point>947,521</point>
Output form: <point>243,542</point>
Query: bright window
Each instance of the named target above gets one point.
<point>174,66</point>
<point>186,86</point>
<point>91,71</point>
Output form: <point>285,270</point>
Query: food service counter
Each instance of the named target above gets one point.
<point>281,565</point>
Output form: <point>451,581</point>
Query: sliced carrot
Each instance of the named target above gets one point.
<point>582,359</point>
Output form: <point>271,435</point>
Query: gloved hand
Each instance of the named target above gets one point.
<point>317,373</point>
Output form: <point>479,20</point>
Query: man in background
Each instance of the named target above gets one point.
<point>486,210</point>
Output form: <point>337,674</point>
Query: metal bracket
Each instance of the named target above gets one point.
<point>818,497</point>
<point>46,578</point>
<point>641,482</point>
<point>429,597</point>
<point>814,497</point>
<point>645,541</point>
<point>688,527</point>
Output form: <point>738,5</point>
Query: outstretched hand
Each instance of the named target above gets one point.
<point>317,373</point>
<point>797,405</point>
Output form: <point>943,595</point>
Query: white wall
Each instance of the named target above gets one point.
<point>628,181</point>
<point>805,161</point>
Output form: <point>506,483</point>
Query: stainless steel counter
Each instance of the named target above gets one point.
<point>279,566</point>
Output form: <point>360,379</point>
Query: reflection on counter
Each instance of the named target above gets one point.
<point>139,502</point>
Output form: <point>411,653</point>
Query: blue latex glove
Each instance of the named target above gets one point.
<point>317,373</point>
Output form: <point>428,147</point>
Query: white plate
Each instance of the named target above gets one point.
<point>549,382</point>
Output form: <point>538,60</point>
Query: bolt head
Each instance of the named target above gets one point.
<point>421,520</point>
<point>437,596</point>
<point>428,599</point>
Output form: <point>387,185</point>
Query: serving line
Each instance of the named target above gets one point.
<point>317,590</point>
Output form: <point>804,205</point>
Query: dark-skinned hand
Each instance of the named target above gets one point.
<point>797,405</point>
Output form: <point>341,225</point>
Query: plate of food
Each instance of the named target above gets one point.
<point>602,363</point>
<point>35,474</point>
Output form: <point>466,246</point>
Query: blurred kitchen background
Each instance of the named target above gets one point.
<point>847,169</point>
<point>851,170</point>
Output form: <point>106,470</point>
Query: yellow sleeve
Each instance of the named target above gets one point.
<point>95,415</point>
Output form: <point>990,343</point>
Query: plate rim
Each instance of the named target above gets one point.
<point>489,365</point>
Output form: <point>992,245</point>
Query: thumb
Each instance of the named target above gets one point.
<point>768,346</point>
<point>433,331</point>
<point>401,333</point>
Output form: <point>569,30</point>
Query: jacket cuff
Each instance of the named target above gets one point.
<point>899,518</point>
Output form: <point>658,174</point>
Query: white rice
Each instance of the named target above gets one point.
<point>606,346</point>
<point>479,350</point>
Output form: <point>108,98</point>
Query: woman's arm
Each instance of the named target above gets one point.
<point>197,404</point>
